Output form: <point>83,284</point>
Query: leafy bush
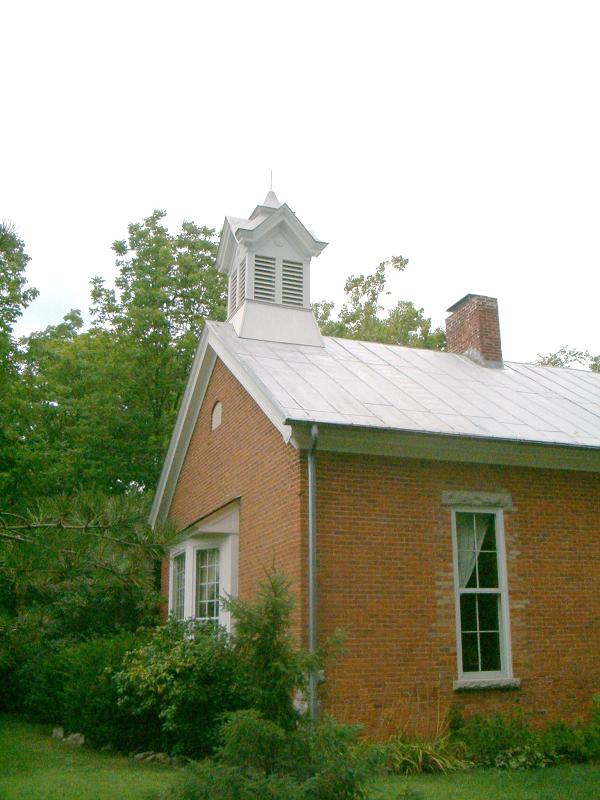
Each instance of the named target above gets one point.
<point>578,742</point>
<point>326,752</point>
<point>442,754</point>
<point>75,686</point>
<point>511,743</point>
<point>565,742</point>
<point>500,742</point>
<point>258,758</point>
<point>209,780</point>
<point>185,677</point>
<point>90,697</point>
<point>41,683</point>
<point>268,750</point>
<point>250,742</point>
<point>593,730</point>
<point>328,757</point>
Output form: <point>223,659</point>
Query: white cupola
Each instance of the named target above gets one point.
<point>267,259</point>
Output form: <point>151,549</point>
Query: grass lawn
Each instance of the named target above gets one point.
<point>565,782</point>
<point>34,766</point>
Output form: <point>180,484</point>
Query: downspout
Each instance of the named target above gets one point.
<point>312,570</point>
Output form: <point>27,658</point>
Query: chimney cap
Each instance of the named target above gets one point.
<point>466,299</point>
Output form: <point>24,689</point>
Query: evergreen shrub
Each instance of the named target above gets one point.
<point>75,686</point>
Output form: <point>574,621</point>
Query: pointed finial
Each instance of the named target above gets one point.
<point>271,200</point>
<point>271,188</point>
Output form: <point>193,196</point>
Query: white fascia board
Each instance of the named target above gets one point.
<point>202,367</point>
<point>227,241</point>
<point>209,348</point>
<point>255,388</point>
<point>445,447</point>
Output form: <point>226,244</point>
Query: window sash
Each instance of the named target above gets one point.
<point>501,591</point>
<point>207,586</point>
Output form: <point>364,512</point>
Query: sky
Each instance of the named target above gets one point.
<point>464,136</point>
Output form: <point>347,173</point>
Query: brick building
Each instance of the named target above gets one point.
<point>442,508</point>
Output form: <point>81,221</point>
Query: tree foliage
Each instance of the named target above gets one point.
<point>67,564</point>
<point>15,296</point>
<point>103,401</point>
<point>361,315</point>
<point>72,568</point>
<point>569,356</point>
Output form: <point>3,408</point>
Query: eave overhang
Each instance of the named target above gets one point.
<point>444,447</point>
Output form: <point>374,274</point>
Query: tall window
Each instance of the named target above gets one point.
<point>207,585</point>
<point>481,594</point>
<point>178,596</point>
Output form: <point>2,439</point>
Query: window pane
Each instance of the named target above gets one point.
<point>485,526</point>
<point>207,584</point>
<point>488,570</point>
<point>470,656</point>
<point>465,533</point>
<point>490,651</point>
<point>488,611</point>
<point>468,613</point>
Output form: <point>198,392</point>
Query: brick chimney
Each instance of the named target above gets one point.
<point>473,330</point>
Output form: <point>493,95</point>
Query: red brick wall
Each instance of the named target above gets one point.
<point>245,457</point>
<point>385,575</point>
<point>474,325</point>
<point>385,565</point>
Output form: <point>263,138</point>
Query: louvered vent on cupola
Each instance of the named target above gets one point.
<point>232,292</point>
<point>292,283</point>
<point>264,278</point>
<point>241,282</point>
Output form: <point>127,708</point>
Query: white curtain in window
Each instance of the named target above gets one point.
<point>471,530</point>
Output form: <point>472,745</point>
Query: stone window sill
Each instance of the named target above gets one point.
<point>465,685</point>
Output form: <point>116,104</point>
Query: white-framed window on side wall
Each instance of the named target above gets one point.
<point>481,596</point>
<point>204,568</point>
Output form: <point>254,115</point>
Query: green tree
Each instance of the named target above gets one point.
<point>104,400</point>
<point>361,315</point>
<point>72,568</point>
<point>166,288</point>
<point>272,666</point>
<point>15,296</point>
<point>569,356</point>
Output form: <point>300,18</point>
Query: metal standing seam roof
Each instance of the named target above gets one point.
<point>374,385</point>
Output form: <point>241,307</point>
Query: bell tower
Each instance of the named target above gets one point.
<point>267,260</point>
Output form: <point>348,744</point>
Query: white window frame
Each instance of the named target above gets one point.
<point>172,582</point>
<point>219,531</point>
<point>506,671</point>
<point>203,549</point>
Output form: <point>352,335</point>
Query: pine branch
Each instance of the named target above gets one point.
<point>88,528</point>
